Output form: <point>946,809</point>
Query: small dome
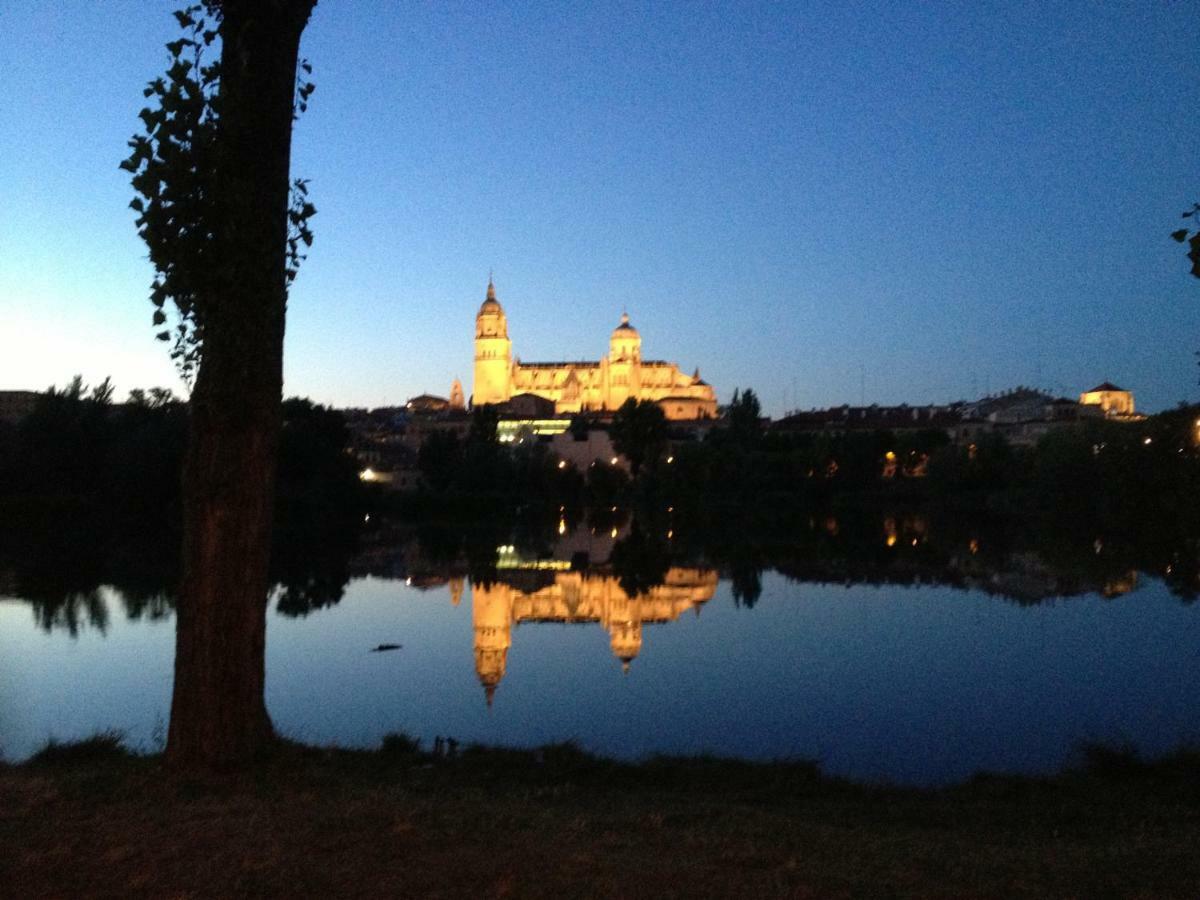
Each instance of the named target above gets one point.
<point>625,330</point>
<point>491,306</point>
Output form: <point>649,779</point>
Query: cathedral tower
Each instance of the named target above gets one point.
<point>624,363</point>
<point>493,353</point>
<point>491,614</point>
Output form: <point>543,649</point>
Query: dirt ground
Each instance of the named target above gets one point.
<point>92,821</point>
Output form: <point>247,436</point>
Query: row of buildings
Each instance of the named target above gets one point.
<point>387,441</point>
<point>1022,416</point>
<point>539,400</point>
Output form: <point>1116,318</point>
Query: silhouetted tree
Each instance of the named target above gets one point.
<point>223,224</point>
<point>155,398</point>
<point>639,432</point>
<point>485,420</point>
<point>61,445</point>
<point>1191,238</point>
<point>440,459</point>
<point>745,418</point>
<point>579,428</point>
<point>483,468</point>
<point>141,475</point>
<point>314,467</point>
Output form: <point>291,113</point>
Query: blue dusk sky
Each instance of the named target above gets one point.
<point>828,202</point>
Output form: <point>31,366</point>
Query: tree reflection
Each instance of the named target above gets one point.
<point>70,612</point>
<point>72,568</point>
<point>311,563</point>
<point>59,559</point>
<point>640,561</point>
<point>745,583</point>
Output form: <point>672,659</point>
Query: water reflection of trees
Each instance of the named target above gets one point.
<point>1017,560</point>
<point>68,565</point>
<point>1020,560</point>
<point>310,564</point>
<point>72,569</point>
<point>640,561</point>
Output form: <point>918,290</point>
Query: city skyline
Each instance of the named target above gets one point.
<point>827,205</point>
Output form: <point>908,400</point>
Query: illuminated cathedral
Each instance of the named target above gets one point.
<point>573,387</point>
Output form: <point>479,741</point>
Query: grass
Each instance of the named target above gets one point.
<point>100,747</point>
<point>558,822</point>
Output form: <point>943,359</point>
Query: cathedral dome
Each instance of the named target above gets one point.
<point>491,306</point>
<point>624,330</point>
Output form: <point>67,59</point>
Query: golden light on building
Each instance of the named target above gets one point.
<point>514,431</point>
<point>573,597</point>
<point>1112,400</point>
<point>583,386</point>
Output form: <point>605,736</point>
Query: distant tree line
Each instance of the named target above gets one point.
<point>79,457</point>
<point>1118,475</point>
<point>477,475</point>
<point>77,448</point>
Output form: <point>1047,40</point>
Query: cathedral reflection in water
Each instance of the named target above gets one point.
<point>576,597</point>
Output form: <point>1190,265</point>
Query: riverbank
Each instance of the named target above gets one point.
<point>91,820</point>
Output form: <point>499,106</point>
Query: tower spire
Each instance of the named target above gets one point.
<point>491,291</point>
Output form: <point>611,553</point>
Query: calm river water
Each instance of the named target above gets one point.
<point>1008,670</point>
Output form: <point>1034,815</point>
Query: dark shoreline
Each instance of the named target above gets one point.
<point>91,819</point>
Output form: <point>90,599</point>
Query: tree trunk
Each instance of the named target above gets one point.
<point>218,712</point>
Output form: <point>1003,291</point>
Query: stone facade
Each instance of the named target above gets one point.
<point>600,386</point>
<point>1114,401</point>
